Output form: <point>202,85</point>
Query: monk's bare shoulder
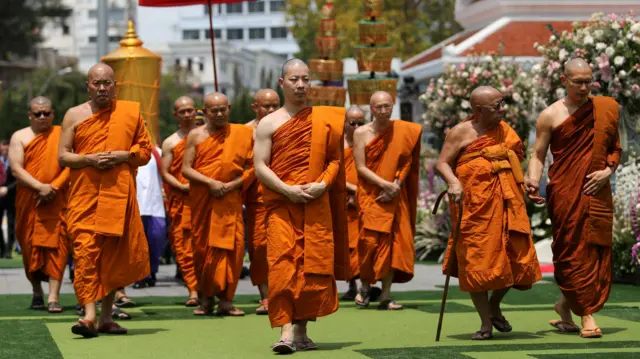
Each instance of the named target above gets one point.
<point>462,134</point>
<point>22,137</point>
<point>170,142</point>
<point>271,122</point>
<point>76,115</point>
<point>552,115</point>
<point>197,135</point>
<point>251,123</point>
<point>364,134</point>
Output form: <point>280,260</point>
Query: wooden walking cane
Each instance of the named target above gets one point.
<point>452,257</point>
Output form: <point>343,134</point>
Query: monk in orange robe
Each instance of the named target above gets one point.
<point>480,162</point>
<point>353,119</point>
<point>41,202</point>
<point>179,215</point>
<point>299,162</point>
<point>387,156</point>
<point>583,134</point>
<point>218,162</point>
<point>265,102</point>
<point>103,142</point>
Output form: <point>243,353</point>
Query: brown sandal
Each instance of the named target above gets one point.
<point>86,328</point>
<point>591,333</point>
<point>192,302</point>
<point>501,324</point>
<point>263,309</point>
<point>564,327</point>
<point>480,335</point>
<point>232,312</point>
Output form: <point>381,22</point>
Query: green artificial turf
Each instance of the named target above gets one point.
<point>14,262</point>
<point>163,328</point>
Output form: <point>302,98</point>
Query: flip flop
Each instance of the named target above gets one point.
<point>284,346</point>
<point>37,303</point>
<point>54,307</point>
<point>112,328</point>
<point>124,303</point>
<point>306,344</point>
<point>564,327</point>
<point>364,294</point>
<point>591,333</point>
<point>375,293</point>
<point>349,295</point>
<point>263,309</point>
<point>192,302</point>
<point>117,313</point>
<point>501,324</point>
<point>233,312</point>
<point>385,305</point>
<point>79,310</point>
<point>86,328</point>
<point>480,335</point>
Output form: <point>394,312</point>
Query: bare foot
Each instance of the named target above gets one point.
<point>566,323</point>
<point>589,322</point>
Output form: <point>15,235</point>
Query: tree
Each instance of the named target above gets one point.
<point>64,91</point>
<point>413,25</point>
<point>170,89</point>
<point>241,111</point>
<point>22,21</point>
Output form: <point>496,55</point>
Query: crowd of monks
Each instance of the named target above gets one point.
<point>326,197</point>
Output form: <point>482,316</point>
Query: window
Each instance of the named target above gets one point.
<point>116,38</point>
<point>257,6</point>
<point>65,29</point>
<point>235,34</point>
<point>190,34</point>
<point>276,5</point>
<point>93,14</point>
<point>189,64</point>
<point>278,32</point>
<point>93,39</point>
<point>177,63</point>
<point>235,8</point>
<point>217,34</point>
<point>257,33</point>
<point>116,14</point>
<point>201,65</point>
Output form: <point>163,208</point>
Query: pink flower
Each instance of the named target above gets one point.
<point>462,66</point>
<point>605,68</point>
<point>486,74</point>
<point>635,87</point>
<point>507,82</point>
<point>596,85</point>
<point>613,17</point>
<point>580,52</point>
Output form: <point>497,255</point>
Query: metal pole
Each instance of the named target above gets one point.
<point>213,46</point>
<point>103,29</point>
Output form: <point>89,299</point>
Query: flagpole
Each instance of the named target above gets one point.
<point>213,46</point>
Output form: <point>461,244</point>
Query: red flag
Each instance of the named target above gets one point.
<point>161,3</point>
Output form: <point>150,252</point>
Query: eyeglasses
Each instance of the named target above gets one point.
<point>587,82</point>
<point>497,106</point>
<point>41,113</point>
<point>356,124</point>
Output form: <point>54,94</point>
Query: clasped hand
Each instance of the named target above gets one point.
<point>46,193</point>
<point>217,188</point>
<point>533,190</point>
<point>597,180</point>
<point>108,159</point>
<point>389,191</point>
<point>306,192</point>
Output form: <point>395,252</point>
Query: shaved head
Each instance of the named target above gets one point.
<point>483,95</point>
<point>264,94</point>
<point>216,98</point>
<point>216,109</point>
<point>40,101</point>
<point>354,111</point>
<point>379,96</point>
<point>101,70</point>
<point>576,64</point>
<point>181,101</point>
<point>290,64</point>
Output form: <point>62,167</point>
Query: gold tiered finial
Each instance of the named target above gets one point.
<point>130,39</point>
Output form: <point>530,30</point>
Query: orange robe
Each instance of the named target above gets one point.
<point>352,214</point>
<point>387,229</point>
<point>180,232</point>
<point>583,225</point>
<point>495,249</point>
<point>307,244</point>
<point>41,231</point>
<point>109,245</point>
<point>257,234</point>
<point>217,225</point>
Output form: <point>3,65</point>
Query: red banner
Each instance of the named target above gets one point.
<point>167,3</point>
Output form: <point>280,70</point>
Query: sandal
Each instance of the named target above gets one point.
<point>192,302</point>
<point>231,312</point>
<point>263,309</point>
<point>117,313</point>
<point>54,307</point>
<point>204,310</point>
<point>306,344</point>
<point>37,302</point>
<point>389,304</point>
<point>80,310</point>
<point>122,303</point>
<point>375,293</point>
<point>480,335</point>
<point>349,295</point>
<point>501,324</point>
<point>564,327</point>
<point>284,346</point>
<point>112,328</point>
<point>591,333</point>
<point>86,328</point>
<point>364,303</point>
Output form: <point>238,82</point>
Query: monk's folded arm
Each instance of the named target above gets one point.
<point>247,178</point>
<point>62,180</point>
<point>66,157</point>
<point>447,159</point>
<point>361,164</point>
<point>140,152</point>
<point>614,153</point>
<point>541,146</point>
<point>16,161</point>
<point>167,160</point>
<point>351,187</point>
<point>261,158</point>
<point>403,172</point>
<point>187,164</point>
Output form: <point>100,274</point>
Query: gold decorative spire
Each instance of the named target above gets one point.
<point>130,39</point>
